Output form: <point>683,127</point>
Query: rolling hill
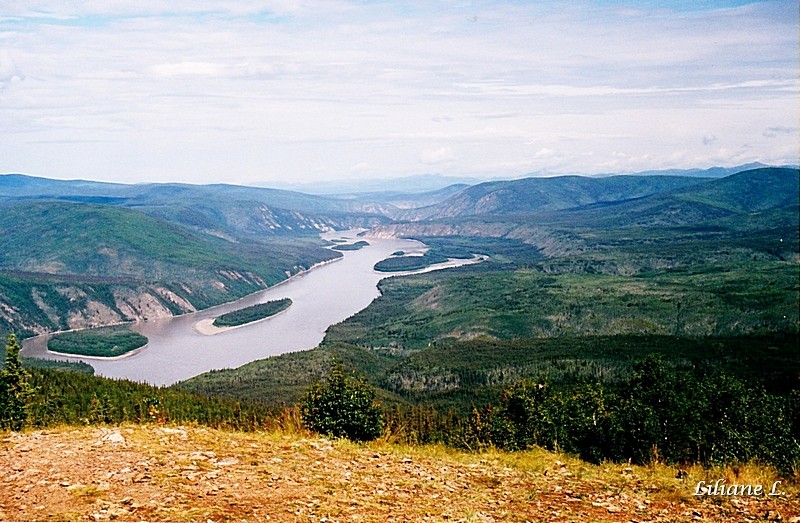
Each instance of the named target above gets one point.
<point>530,195</point>
<point>760,198</point>
<point>71,265</point>
<point>201,245</point>
<point>228,211</point>
<point>746,191</point>
<point>555,214</point>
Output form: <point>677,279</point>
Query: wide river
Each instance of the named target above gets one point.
<point>322,296</point>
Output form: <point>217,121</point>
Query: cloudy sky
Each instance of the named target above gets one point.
<point>281,90</point>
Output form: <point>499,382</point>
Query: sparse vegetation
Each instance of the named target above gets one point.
<point>190,473</point>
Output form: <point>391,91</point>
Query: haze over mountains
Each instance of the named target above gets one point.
<point>746,191</point>
<point>177,247</point>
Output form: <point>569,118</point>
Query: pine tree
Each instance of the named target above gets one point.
<point>15,388</point>
<point>342,408</point>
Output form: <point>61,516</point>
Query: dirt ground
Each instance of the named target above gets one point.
<point>156,473</point>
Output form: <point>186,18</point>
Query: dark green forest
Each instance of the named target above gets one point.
<point>106,342</point>
<point>661,326</point>
<point>350,246</point>
<point>252,313</point>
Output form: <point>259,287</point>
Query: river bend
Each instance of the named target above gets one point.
<point>322,296</point>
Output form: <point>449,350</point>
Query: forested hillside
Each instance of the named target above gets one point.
<point>74,265</point>
<point>704,278</point>
<point>594,311</point>
<point>223,210</point>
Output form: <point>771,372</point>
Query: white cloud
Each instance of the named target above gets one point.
<point>189,69</point>
<point>338,88</point>
<point>437,155</point>
<point>8,69</point>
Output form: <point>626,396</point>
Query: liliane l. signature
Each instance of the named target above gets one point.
<point>720,488</point>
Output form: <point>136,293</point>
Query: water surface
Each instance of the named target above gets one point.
<point>323,296</point>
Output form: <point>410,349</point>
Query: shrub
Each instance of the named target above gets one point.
<point>342,407</point>
<point>15,389</point>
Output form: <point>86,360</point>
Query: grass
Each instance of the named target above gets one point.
<point>253,313</point>
<point>190,473</point>
<point>106,342</point>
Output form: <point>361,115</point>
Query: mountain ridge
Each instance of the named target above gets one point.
<point>528,195</point>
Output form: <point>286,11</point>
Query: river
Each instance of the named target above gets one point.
<point>322,296</point>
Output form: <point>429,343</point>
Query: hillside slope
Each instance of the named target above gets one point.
<point>752,202</point>
<point>163,473</point>
<point>760,198</point>
<point>219,209</point>
<point>750,191</point>
<point>530,195</point>
<point>73,265</point>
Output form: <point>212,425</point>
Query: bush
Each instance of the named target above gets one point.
<point>661,413</point>
<point>15,389</point>
<point>342,407</point>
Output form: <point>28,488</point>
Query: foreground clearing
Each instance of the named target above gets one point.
<point>197,474</point>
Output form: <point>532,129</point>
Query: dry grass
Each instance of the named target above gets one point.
<point>198,474</point>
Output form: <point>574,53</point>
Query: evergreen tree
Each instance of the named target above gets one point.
<point>15,388</point>
<point>342,408</point>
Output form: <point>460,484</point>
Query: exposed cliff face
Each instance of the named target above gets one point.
<point>38,308</point>
<point>549,242</point>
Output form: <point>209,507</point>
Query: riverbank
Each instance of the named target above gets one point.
<point>325,294</point>
<point>35,342</point>
<point>99,358</point>
<point>206,327</point>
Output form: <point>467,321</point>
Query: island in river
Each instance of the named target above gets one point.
<point>259,311</point>
<point>323,296</point>
<point>103,342</point>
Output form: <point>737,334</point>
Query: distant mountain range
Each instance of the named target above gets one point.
<point>545,194</point>
<point>558,214</point>
<point>421,183</point>
<point>712,172</point>
<point>746,191</point>
<point>228,211</point>
<point>237,212</point>
<point>426,183</point>
<point>123,251</point>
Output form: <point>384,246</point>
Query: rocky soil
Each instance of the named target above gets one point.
<point>134,473</point>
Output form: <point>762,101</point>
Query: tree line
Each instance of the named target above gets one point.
<point>660,413</point>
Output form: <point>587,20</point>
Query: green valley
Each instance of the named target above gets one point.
<point>592,293</point>
<point>76,265</point>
